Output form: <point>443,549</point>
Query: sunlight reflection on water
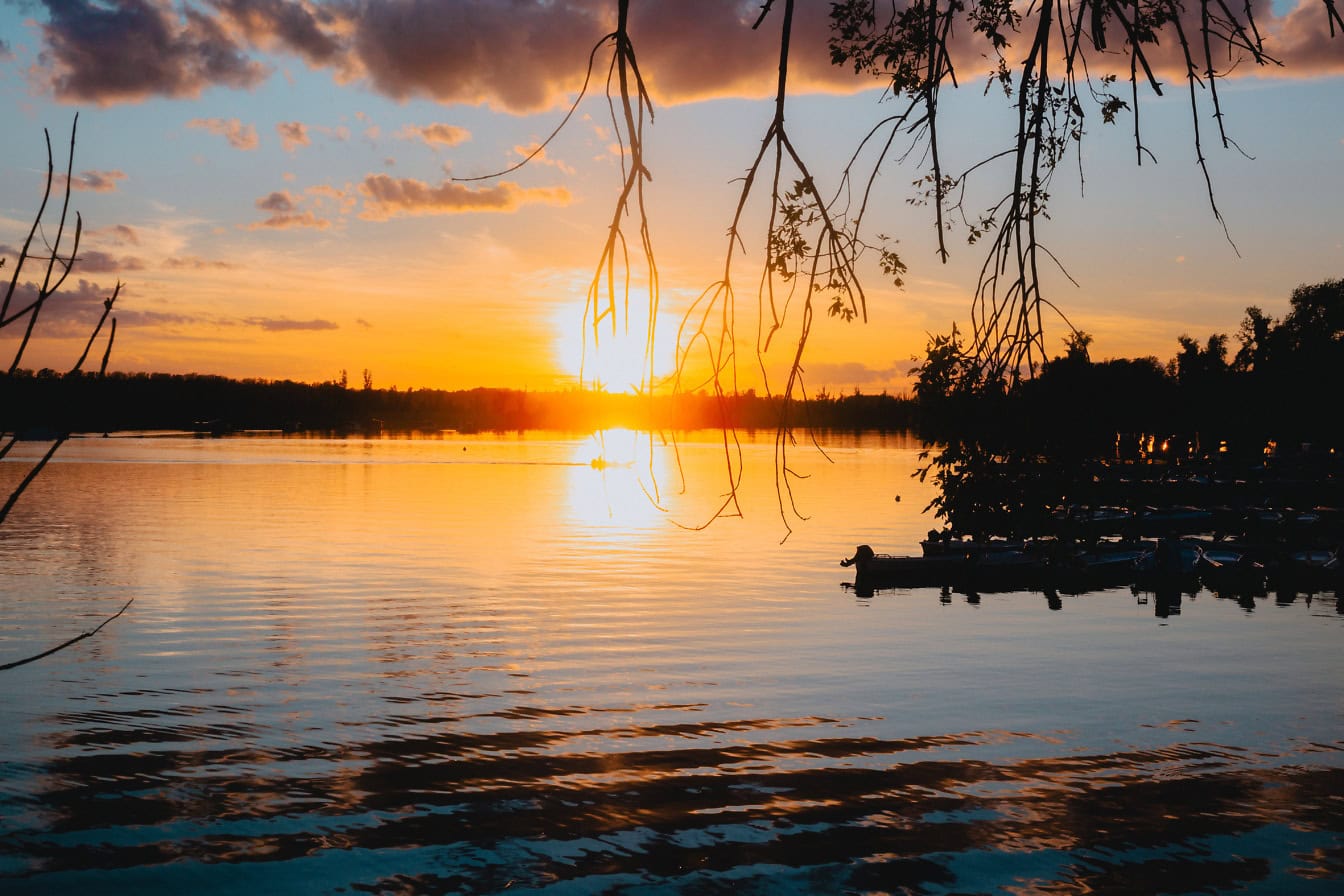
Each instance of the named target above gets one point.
<point>471,664</point>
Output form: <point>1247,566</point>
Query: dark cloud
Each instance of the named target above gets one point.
<point>126,50</point>
<point>385,196</point>
<point>90,261</point>
<point>525,55</point>
<point>285,213</point>
<point>298,27</point>
<point>522,56</point>
<point>278,201</point>
<point>73,311</point>
<point>94,262</point>
<point>284,324</point>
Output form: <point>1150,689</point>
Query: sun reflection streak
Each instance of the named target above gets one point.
<point>614,483</point>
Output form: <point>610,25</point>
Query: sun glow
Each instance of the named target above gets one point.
<point>614,360</point>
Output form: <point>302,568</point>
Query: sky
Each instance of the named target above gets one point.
<point>272,182</point>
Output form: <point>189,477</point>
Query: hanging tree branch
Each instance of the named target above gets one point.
<point>908,47</point>
<point>58,268</point>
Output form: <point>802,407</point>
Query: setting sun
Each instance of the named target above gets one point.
<point>614,361</point>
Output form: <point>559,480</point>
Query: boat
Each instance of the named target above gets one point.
<point>1170,565</point>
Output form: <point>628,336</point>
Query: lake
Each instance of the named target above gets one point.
<point>510,663</point>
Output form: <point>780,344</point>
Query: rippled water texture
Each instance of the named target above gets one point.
<point>484,665</point>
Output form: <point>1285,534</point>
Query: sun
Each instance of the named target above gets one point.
<point>615,361</point>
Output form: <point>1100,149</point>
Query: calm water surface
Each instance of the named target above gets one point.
<point>484,665</point>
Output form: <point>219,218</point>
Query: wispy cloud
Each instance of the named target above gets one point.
<point>240,136</point>
<point>117,233</point>
<point>94,181</point>
<point>852,373</point>
<point>386,196</point>
<point>284,324</point>
<point>193,263</point>
<point>541,158</point>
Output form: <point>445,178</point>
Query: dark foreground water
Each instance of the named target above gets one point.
<point>481,665</point>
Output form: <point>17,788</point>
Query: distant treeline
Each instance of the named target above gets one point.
<point>1282,383</point>
<point>47,401</point>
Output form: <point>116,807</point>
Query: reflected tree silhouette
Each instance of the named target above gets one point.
<point>21,310</point>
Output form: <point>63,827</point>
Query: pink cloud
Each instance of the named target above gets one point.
<point>436,134</point>
<point>240,136</point>
<point>386,196</point>
<point>94,181</point>
<point>293,134</point>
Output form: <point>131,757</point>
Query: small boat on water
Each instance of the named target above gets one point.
<point>1170,564</point>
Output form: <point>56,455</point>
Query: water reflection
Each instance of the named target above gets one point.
<point>615,483</point>
<point>436,803</point>
<point>418,669</point>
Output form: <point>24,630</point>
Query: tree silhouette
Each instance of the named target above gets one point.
<point>1059,64</point>
<point>23,313</point>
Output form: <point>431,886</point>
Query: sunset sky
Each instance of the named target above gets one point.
<point>271,181</point>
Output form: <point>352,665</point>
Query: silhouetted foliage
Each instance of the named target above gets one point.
<point>1004,456</point>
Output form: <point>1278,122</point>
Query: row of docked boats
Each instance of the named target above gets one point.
<point>1170,563</point>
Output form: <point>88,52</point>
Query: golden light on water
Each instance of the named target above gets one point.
<point>613,483</point>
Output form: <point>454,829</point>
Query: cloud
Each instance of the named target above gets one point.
<point>307,29</point>
<point>436,134</point>
<point>90,261</point>
<point>285,211</point>
<point>95,262</point>
<point>852,373</point>
<point>541,158</point>
<point>239,135</point>
<point>293,134</point>
<point>117,233</point>
<point>94,181</point>
<point>284,324</point>
<point>478,51</point>
<point>73,311</point>
<point>525,57</point>
<point>192,263</point>
<point>290,220</point>
<point>132,49</point>
<point>278,201</point>
<point>386,196</point>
